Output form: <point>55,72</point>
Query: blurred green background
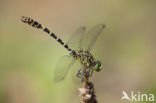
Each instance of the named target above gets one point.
<point>28,56</point>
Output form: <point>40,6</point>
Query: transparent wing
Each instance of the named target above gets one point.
<point>62,67</point>
<point>91,36</point>
<point>73,72</point>
<point>75,41</point>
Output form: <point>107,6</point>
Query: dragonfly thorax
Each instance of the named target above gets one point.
<point>85,58</point>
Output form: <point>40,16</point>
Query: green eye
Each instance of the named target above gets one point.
<point>97,66</point>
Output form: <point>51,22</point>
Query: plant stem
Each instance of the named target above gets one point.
<point>85,85</point>
<point>87,92</point>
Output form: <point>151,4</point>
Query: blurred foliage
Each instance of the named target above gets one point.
<point>28,57</point>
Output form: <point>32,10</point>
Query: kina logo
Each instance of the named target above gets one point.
<point>137,97</point>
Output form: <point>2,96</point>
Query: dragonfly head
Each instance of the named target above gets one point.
<point>97,66</point>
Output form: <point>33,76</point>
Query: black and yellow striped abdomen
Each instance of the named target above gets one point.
<point>37,25</point>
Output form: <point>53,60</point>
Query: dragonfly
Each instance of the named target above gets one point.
<point>81,43</point>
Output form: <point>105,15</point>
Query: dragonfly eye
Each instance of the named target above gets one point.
<point>97,66</point>
<point>100,67</point>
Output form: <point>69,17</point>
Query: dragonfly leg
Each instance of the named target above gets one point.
<point>80,72</point>
<point>90,72</point>
<point>84,72</point>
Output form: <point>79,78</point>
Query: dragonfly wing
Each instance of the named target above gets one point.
<point>91,36</point>
<point>76,39</point>
<point>62,67</point>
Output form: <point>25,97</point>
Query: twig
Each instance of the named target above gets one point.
<point>87,92</point>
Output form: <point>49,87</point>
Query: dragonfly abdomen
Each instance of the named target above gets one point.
<point>37,25</point>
